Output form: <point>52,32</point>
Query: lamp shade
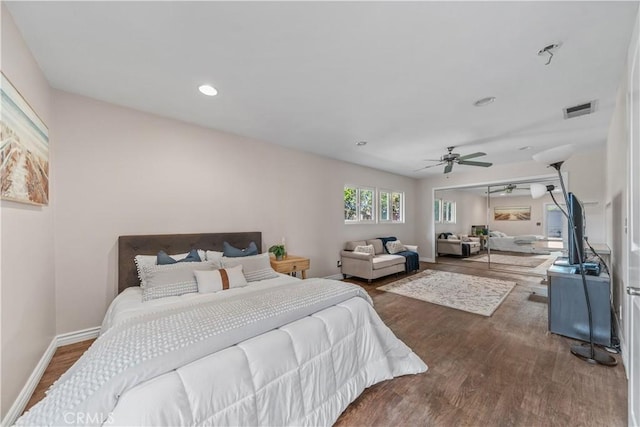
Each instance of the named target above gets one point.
<point>554,155</point>
<point>539,190</point>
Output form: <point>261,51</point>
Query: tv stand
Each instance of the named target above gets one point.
<point>568,308</point>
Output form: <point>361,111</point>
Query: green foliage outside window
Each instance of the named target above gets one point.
<point>350,203</point>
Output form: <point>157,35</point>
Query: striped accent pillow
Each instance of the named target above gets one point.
<point>160,281</point>
<point>220,280</point>
<point>254,267</point>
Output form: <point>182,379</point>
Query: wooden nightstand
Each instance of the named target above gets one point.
<point>291,264</point>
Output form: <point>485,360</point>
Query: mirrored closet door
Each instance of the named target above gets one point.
<point>499,227</point>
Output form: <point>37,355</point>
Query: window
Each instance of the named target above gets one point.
<point>437,211</point>
<point>448,212</point>
<point>358,204</point>
<point>391,206</point>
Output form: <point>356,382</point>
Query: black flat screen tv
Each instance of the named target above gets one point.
<point>576,248</point>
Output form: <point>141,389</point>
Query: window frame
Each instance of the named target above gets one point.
<point>449,215</point>
<point>359,189</point>
<point>437,211</point>
<point>390,219</point>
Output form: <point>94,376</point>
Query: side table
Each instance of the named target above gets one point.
<point>291,264</point>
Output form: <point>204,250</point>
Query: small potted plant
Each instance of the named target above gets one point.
<point>278,251</point>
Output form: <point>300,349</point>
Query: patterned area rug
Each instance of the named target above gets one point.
<point>521,261</point>
<point>475,294</point>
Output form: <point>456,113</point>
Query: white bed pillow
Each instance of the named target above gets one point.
<point>365,249</point>
<point>159,281</point>
<point>254,267</point>
<point>220,280</point>
<point>141,260</point>
<point>215,256</point>
<point>395,246</point>
<point>497,234</point>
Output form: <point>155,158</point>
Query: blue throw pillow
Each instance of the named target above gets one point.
<point>164,259</point>
<point>231,252</point>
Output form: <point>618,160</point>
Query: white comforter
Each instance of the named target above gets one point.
<point>523,243</point>
<point>303,373</point>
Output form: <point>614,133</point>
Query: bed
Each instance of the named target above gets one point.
<point>499,241</point>
<point>278,351</point>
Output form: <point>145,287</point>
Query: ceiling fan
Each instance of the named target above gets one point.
<point>450,158</point>
<point>508,189</point>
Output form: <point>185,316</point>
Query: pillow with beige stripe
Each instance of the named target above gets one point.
<point>220,280</point>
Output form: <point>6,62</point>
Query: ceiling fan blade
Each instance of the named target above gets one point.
<point>471,156</point>
<point>499,190</point>
<point>429,166</point>
<point>449,167</point>
<point>483,164</point>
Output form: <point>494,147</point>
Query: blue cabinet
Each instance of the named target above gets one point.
<point>568,308</point>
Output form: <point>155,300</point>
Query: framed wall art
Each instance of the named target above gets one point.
<point>24,149</point>
<point>519,213</point>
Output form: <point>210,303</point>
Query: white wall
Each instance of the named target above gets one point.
<point>617,193</point>
<point>27,266</point>
<point>121,172</point>
<point>586,177</point>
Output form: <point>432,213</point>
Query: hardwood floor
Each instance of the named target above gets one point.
<point>62,360</point>
<point>501,370</point>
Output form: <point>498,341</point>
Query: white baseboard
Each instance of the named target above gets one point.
<point>424,259</point>
<point>25,394</point>
<point>77,336</point>
<point>335,277</point>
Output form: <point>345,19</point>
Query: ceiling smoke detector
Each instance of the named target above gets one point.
<point>580,110</point>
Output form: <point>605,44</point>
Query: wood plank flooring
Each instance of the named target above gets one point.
<point>504,370</point>
<point>62,360</point>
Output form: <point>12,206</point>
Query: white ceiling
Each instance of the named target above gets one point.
<point>319,76</point>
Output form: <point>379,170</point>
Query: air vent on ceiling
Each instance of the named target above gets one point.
<point>580,110</point>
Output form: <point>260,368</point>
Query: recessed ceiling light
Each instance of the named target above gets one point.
<point>484,101</point>
<point>526,147</point>
<point>361,143</point>
<point>208,90</point>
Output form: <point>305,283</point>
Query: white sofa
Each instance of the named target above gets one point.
<point>368,266</point>
<point>457,246</point>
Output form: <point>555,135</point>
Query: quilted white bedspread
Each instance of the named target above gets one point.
<point>303,373</point>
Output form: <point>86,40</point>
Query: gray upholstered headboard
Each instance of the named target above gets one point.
<point>130,246</point>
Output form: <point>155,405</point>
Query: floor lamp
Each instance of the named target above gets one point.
<point>555,157</point>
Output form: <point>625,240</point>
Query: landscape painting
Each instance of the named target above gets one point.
<point>24,150</point>
<point>512,214</point>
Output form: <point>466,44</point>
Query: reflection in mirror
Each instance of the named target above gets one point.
<point>504,228</point>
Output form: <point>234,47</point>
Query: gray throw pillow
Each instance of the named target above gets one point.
<point>159,281</point>
<point>233,252</point>
<point>254,268</point>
